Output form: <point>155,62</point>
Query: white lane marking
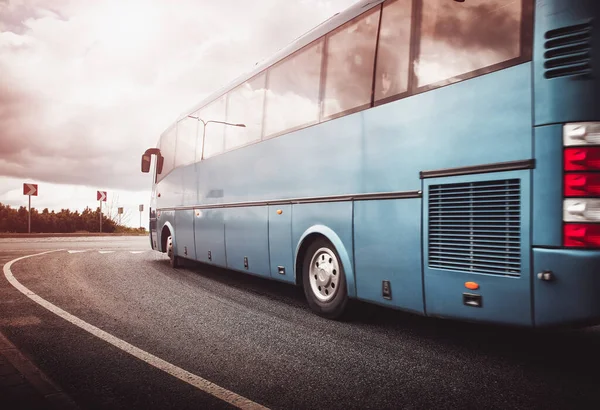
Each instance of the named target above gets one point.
<point>77,251</point>
<point>106,251</point>
<point>183,375</point>
<point>137,251</point>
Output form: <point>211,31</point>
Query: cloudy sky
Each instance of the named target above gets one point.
<point>87,85</point>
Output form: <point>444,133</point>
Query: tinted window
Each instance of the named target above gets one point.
<point>215,133</point>
<point>293,90</point>
<point>186,142</point>
<point>458,38</point>
<point>167,150</point>
<point>198,131</point>
<point>350,61</point>
<point>245,105</point>
<point>393,54</point>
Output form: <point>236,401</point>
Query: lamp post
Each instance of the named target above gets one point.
<point>204,123</point>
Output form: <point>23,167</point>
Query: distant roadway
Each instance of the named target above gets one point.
<point>128,331</point>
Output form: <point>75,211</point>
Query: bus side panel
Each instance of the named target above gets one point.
<point>481,121</point>
<point>209,231</point>
<point>476,229</point>
<point>184,235</point>
<point>246,236</point>
<point>281,251</point>
<point>572,297</point>
<point>387,243</point>
<point>547,186</point>
<point>153,228</point>
<point>566,84</point>
<point>168,190</point>
<point>189,182</point>
<point>337,217</point>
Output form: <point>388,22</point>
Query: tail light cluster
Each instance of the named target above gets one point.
<point>581,185</point>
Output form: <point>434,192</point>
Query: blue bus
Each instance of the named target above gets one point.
<point>439,157</point>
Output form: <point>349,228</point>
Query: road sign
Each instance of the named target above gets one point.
<point>120,210</point>
<point>30,189</point>
<point>141,210</point>
<point>101,196</point>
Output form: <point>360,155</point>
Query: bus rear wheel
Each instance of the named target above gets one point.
<point>174,259</point>
<point>324,280</point>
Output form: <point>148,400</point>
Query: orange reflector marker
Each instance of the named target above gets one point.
<point>279,212</point>
<point>471,285</point>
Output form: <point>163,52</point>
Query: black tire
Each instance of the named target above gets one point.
<point>335,306</point>
<point>173,259</point>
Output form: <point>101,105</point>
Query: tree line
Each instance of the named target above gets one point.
<point>14,220</point>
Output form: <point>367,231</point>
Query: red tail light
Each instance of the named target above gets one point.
<point>582,184</point>
<point>581,235</point>
<point>582,159</point>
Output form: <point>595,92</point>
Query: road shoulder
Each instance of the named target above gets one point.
<point>26,386</point>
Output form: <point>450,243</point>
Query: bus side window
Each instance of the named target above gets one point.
<point>245,106</point>
<point>393,54</point>
<point>460,38</point>
<point>350,59</point>
<point>293,90</point>
<point>214,140</point>
<point>185,152</point>
<point>167,150</point>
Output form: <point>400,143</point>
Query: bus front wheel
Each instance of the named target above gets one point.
<point>174,259</point>
<point>324,280</point>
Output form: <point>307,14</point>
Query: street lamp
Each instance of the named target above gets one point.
<point>204,123</point>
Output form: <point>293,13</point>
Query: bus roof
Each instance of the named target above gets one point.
<point>317,32</point>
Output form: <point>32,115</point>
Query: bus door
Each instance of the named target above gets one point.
<point>153,234</point>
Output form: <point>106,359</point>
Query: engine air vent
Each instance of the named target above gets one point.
<point>568,51</point>
<point>476,227</point>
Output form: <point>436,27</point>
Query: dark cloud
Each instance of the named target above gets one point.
<point>88,86</point>
<point>457,38</point>
<point>14,108</point>
<point>479,24</point>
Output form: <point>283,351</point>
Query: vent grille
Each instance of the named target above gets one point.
<point>475,227</point>
<point>568,51</point>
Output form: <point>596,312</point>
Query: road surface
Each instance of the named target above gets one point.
<point>258,341</point>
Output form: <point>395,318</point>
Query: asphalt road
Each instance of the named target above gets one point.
<point>258,339</point>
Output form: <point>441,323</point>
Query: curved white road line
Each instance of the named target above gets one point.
<point>183,375</point>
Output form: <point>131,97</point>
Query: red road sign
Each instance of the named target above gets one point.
<point>30,189</point>
<point>101,196</point>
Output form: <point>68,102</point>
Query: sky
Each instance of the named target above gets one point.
<point>87,85</point>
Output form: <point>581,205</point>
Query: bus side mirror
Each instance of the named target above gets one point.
<point>147,157</point>
<point>146,163</point>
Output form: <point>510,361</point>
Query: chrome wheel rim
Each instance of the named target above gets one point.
<point>170,246</point>
<point>324,274</point>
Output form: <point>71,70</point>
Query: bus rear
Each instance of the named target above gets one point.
<point>549,221</point>
<point>566,145</point>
